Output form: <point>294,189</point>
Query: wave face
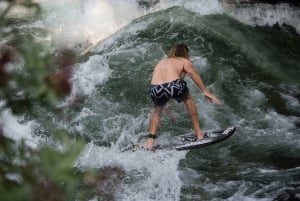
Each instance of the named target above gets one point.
<point>247,55</point>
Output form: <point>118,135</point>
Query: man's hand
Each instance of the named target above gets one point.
<point>212,98</point>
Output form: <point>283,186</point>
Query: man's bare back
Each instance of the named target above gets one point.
<point>169,69</point>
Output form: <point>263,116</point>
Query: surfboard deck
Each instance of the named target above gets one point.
<point>189,140</point>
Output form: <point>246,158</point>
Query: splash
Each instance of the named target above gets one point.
<point>85,23</point>
<point>267,15</point>
<point>254,15</point>
<point>14,127</point>
<point>202,7</point>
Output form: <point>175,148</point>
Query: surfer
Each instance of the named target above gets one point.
<point>167,82</point>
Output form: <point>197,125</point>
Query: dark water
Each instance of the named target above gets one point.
<point>253,67</point>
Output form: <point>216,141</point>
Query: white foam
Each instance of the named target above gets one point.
<point>241,188</point>
<point>258,114</point>
<point>203,7</point>
<point>85,81</point>
<point>278,122</point>
<point>291,102</point>
<point>254,98</point>
<point>267,15</point>
<point>12,128</point>
<point>149,176</point>
<point>3,5</point>
<point>86,21</point>
<point>256,14</point>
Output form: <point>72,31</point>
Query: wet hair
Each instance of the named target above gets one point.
<point>179,50</point>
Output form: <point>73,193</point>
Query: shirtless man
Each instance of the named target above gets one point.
<point>167,82</point>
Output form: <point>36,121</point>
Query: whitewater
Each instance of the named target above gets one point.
<point>252,66</point>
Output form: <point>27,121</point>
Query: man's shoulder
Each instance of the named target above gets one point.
<point>183,59</point>
<point>179,60</point>
<point>186,61</point>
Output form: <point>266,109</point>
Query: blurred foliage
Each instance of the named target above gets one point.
<point>11,4</point>
<point>43,174</point>
<point>28,76</point>
<point>47,174</point>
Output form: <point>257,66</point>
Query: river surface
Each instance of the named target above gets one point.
<point>248,55</point>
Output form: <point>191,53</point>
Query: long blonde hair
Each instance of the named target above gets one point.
<point>180,50</point>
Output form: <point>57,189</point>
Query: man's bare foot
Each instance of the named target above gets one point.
<point>200,135</point>
<point>148,144</point>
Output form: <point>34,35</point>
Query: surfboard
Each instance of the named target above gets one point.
<point>189,140</point>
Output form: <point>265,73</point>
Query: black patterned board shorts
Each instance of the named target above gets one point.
<point>162,93</point>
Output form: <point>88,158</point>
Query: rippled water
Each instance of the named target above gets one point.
<point>248,56</point>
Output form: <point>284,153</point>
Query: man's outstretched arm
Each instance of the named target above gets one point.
<point>190,70</point>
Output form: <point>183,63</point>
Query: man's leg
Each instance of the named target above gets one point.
<point>154,123</point>
<point>169,112</point>
<point>191,109</point>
